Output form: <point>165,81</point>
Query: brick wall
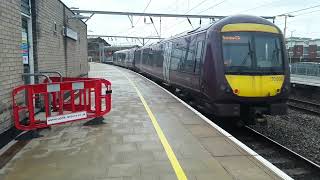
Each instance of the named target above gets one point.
<point>52,50</point>
<point>11,65</point>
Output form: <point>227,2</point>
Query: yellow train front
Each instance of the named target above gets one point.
<point>245,69</point>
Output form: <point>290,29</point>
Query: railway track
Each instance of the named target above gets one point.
<point>305,106</point>
<point>290,162</point>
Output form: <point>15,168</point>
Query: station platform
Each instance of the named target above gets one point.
<point>305,80</point>
<point>148,135</point>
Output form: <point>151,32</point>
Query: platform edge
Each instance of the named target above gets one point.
<point>262,160</point>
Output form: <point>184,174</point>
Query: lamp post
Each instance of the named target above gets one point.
<point>285,22</point>
<point>291,45</point>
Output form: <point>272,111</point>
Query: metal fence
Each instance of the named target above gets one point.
<point>305,68</point>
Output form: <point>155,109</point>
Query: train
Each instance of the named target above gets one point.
<point>236,67</point>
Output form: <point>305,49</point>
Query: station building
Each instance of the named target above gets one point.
<point>97,49</point>
<point>303,49</point>
<point>37,36</point>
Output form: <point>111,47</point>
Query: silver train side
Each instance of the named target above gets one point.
<point>236,67</point>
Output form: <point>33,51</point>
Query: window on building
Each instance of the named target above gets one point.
<point>25,7</point>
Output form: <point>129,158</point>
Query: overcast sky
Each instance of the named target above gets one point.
<point>304,24</point>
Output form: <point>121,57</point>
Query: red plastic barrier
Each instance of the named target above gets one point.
<point>63,101</point>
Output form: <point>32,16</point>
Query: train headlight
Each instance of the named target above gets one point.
<point>236,91</point>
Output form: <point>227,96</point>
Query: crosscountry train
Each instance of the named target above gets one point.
<point>237,66</point>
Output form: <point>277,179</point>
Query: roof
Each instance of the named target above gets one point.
<point>120,47</point>
<point>98,40</point>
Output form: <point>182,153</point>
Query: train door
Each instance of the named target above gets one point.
<point>166,62</point>
<point>198,59</point>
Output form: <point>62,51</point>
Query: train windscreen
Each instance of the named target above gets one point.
<point>252,52</point>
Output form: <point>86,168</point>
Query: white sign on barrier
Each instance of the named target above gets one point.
<point>66,117</point>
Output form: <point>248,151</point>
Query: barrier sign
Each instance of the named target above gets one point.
<point>86,98</point>
<point>25,48</point>
<point>66,117</point>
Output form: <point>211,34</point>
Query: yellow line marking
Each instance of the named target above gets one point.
<point>172,157</point>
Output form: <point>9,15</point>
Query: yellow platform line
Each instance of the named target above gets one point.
<point>172,157</point>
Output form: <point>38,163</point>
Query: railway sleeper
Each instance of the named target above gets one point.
<point>299,173</point>
<point>282,162</point>
<point>266,152</point>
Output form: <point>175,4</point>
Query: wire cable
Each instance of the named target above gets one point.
<point>303,9</point>
<point>257,7</point>
<point>143,12</point>
<point>215,5</point>
<point>195,6</point>
<point>302,14</point>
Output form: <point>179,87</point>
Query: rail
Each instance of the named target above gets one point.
<point>279,155</point>
<point>305,106</point>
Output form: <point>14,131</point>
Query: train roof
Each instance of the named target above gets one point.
<point>242,19</point>
<point>125,50</point>
<point>193,31</point>
<point>227,20</point>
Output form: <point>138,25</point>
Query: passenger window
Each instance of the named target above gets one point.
<point>176,56</point>
<point>159,58</point>
<point>150,58</point>
<point>183,52</point>
<point>189,62</point>
<point>144,57</point>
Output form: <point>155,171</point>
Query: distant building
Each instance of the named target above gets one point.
<point>96,49</point>
<point>303,49</point>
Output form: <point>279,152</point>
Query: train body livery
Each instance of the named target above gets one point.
<point>237,66</point>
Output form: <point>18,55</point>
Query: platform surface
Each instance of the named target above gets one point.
<point>128,147</point>
<point>305,80</point>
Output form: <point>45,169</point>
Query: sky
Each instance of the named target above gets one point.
<point>304,24</point>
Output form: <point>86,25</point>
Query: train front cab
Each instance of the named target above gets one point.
<point>255,72</point>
